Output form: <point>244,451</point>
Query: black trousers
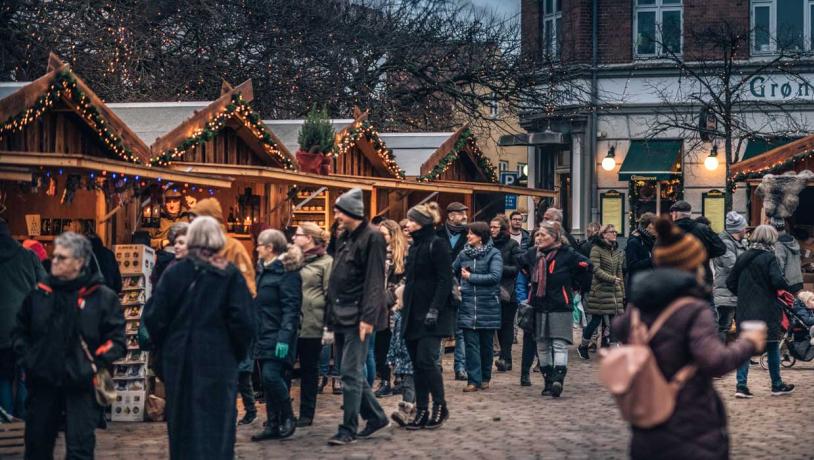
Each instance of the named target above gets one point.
<point>529,352</point>
<point>380,352</point>
<point>505,335</point>
<point>425,353</point>
<point>45,407</point>
<point>309,351</point>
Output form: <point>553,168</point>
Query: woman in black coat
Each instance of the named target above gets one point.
<point>201,321</point>
<point>278,303</point>
<point>427,312</point>
<point>509,252</point>
<point>755,279</point>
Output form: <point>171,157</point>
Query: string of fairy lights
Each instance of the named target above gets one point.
<point>350,137</point>
<point>240,109</point>
<point>777,166</point>
<point>466,142</point>
<point>65,87</point>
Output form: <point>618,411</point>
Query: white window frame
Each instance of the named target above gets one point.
<point>520,166</point>
<point>658,8</point>
<point>772,4</point>
<point>503,165</point>
<point>494,108</point>
<point>552,19</point>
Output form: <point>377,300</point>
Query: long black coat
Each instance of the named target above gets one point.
<point>712,242</point>
<point>697,428</point>
<point>510,252</point>
<point>277,305</point>
<point>202,331</point>
<point>755,279</point>
<point>638,255</point>
<point>428,284</point>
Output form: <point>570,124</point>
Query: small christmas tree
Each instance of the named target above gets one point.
<point>317,134</point>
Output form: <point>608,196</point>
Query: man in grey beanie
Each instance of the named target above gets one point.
<point>356,308</point>
<point>725,300</point>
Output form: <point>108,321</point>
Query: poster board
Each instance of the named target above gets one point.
<point>713,207</point>
<point>612,209</point>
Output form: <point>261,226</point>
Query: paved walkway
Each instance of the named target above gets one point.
<point>510,421</point>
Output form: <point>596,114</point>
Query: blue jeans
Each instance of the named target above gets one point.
<point>460,351</point>
<point>325,361</point>
<point>773,353</point>
<point>479,343</point>
<point>370,361</point>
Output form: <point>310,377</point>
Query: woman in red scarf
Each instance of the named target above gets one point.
<point>558,271</point>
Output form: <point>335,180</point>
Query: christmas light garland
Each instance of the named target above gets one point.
<point>65,87</point>
<point>467,140</point>
<point>239,108</point>
<point>633,195</point>
<point>352,135</point>
<point>771,169</point>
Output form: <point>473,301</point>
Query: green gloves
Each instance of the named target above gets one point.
<point>282,350</point>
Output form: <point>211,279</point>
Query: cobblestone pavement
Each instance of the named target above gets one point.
<point>510,421</point>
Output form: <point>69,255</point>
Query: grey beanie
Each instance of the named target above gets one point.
<point>734,222</point>
<point>419,217</point>
<point>352,203</point>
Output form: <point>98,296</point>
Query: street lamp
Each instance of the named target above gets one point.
<point>711,162</point>
<point>609,162</point>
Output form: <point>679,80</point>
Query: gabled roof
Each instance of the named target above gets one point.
<point>30,101</point>
<point>411,150</point>
<point>462,143</point>
<point>288,131</point>
<point>231,107</point>
<point>362,135</point>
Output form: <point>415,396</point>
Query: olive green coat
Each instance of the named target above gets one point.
<point>315,274</point>
<point>607,295</point>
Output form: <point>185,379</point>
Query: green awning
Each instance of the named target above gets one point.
<point>652,160</point>
<point>758,146</point>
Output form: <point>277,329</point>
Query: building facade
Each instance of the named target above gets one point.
<point>643,109</point>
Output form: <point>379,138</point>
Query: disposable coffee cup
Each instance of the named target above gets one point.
<point>753,326</point>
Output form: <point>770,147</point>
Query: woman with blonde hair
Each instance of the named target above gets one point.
<point>315,274</point>
<point>428,315</point>
<point>396,253</point>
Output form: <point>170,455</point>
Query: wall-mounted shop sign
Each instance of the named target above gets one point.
<point>783,87</point>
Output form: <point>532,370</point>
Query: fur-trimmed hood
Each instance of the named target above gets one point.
<point>292,260</point>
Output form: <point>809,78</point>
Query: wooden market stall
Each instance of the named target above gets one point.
<point>795,156</point>
<point>61,149</point>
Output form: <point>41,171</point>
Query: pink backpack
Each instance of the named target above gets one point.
<point>632,375</point>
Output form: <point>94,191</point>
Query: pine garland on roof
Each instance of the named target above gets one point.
<point>466,141</point>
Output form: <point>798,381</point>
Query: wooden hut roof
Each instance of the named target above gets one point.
<point>364,137</point>
<point>231,109</point>
<point>461,146</point>
<point>60,83</point>
<point>782,158</point>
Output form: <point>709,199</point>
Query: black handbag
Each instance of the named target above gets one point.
<point>346,312</point>
<point>525,317</point>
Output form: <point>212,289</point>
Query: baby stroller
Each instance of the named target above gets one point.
<point>796,343</point>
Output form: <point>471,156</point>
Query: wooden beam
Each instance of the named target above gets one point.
<point>774,157</point>
<point>275,175</point>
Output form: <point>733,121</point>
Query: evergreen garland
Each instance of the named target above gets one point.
<point>65,87</point>
<point>466,140</point>
<point>351,136</point>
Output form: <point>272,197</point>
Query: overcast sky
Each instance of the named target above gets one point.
<point>507,7</point>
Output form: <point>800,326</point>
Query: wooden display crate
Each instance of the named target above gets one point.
<point>11,438</point>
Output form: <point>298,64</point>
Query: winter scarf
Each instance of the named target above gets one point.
<point>541,273</point>
<point>316,251</point>
<point>477,253</point>
<point>645,236</point>
<point>455,229</point>
<point>761,246</point>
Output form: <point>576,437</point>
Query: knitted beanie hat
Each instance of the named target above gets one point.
<point>420,216</point>
<point>351,203</point>
<point>676,249</point>
<point>734,222</point>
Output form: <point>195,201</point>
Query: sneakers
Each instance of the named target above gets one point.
<point>470,388</point>
<point>582,351</point>
<point>384,389</point>
<point>373,427</point>
<point>742,392</point>
<point>440,414</point>
<point>341,439</point>
<point>782,389</point>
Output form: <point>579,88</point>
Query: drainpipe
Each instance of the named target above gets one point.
<point>590,161</point>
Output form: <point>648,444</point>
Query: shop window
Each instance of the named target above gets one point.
<point>658,27</point>
<point>552,28</point>
<point>782,25</point>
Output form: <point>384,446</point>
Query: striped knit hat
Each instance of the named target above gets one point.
<point>676,249</point>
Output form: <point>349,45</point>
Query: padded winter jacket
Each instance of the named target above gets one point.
<point>723,266</point>
<point>713,244</point>
<point>607,294</point>
<point>480,294</point>
<point>315,277</point>
<point>787,250</point>
<point>277,305</point>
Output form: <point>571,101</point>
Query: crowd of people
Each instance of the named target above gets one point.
<point>377,299</point>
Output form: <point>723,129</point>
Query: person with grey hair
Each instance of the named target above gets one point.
<point>278,302</point>
<point>556,215</point>
<point>70,325</point>
<point>201,322</point>
<point>755,280</point>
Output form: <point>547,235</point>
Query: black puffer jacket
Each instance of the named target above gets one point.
<point>277,305</point>
<point>47,333</point>
<point>509,252</point>
<point>569,271</point>
<point>755,279</point>
<point>697,428</point>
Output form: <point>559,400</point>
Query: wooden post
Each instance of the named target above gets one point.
<point>374,202</point>
<point>468,202</point>
<point>101,213</point>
